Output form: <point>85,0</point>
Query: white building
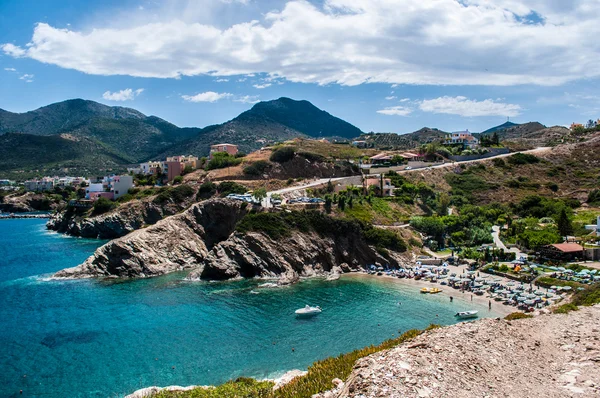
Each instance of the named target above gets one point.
<point>45,184</point>
<point>594,227</point>
<point>93,188</point>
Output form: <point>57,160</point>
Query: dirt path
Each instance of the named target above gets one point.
<point>548,356</point>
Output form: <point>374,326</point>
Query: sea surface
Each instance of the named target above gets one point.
<point>107,339</point>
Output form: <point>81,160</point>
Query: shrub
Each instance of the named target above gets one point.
<point>523,158</point>
<point>517,315</point>
<point>206,190</point>
<point>178,180</point>
<point>283,154</point>
<point>499,162</point>
<point>227,187</point>
<point>594,197</point>
<point>565,308</point>
<point>220,160</point>
<point>177,194</point>
<point>313,157</point>
<point>126,198</point>
<point>553,186</point>
<point>240,155</point>
<point>257,168</point>
<point>103,205</point>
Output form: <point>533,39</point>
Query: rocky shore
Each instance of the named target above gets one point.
<point>204,239</point>
<point>547,356</point>
<point>28,202</point>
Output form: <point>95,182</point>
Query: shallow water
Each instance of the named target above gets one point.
<point>107,339</point>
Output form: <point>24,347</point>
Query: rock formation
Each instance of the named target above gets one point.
<point>27,202</point>
<point>127,218</point>
<point>204,239</point>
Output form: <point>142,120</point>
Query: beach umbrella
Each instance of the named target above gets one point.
<point>529,302</point>
<point>531,296</point>
<point>539,293</point>
<point>510,284</point>
<point>567,288</point>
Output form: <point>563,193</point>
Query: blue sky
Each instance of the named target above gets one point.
<point>383,65</point>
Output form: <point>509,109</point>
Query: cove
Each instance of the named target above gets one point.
<point>106,339</point>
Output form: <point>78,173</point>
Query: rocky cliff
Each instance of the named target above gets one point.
<point>204,239</point>
<point>126,218</point>
<point>30,201</point>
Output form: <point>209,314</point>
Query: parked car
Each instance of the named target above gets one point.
<point>408,168</point>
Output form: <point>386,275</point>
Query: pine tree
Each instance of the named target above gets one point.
<point>564,223</point>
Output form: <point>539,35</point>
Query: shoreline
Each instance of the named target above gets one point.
<point>463,297</point>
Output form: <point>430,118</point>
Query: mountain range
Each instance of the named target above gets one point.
<point>92,138</point>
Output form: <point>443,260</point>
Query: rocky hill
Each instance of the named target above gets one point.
<point>88,137</point>
<point>548,356</point>
<point>218,239</point>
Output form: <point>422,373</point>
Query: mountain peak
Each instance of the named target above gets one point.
<point>304,117</point>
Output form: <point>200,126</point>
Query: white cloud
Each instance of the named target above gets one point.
<point>469,108</point>
<point>27,77</point>
<point>10,69</point>
<point>221,80</point>
<point>248,99</point>
<point>13,51</point>
<point>122,95</point>
<point>349,42</point>
<point>405,100</point>
<point>391,97</point>
<point>209,96</point>
<point>395,111</point>
<point>261,86</point>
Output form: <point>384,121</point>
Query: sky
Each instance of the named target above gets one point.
<point>382,65</point>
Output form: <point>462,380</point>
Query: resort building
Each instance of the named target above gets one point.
<point>464,138</point>
<point>378,182</point>
<point>359,144</point>
<point>45,184</point>
<point>171,168</point>
<point>111,187</point>
<point>150,168</point>
<point>380,158</point>
<point>229,148</point>
<point>563,251</point>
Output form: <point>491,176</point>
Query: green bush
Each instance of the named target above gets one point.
<point>257,168</point>
<point>517,315</point>
<point>283,154</point>
<point>178,180</point>
<point>220,160</point>
<point>594,197</point>
<point>312,157</point>
<point>126,198</point>
<point>565,308</point>
<point>177,194</point>
<point>523,158</point>
<point>207,190</point>
<point>103,205</point>
<point>240,388</point>
<point>227,187</point>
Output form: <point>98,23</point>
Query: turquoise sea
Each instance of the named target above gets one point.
<point>107,339</point>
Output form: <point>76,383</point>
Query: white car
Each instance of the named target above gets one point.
<point>408,168</point>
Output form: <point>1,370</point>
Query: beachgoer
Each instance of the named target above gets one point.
<point>490,304</point>
<point>471,297</point>
<point>451,299</point>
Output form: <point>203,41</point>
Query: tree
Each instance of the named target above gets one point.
<point>259,194</point>
<point>443,202</point>
<point>341,203</point>
<point>564,225</point>
<point>328,203</point>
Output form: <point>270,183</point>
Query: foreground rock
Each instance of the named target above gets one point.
<point>203,239</point>
<point>547,356</point>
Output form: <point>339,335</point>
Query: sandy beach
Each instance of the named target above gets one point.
<point>464,297</point>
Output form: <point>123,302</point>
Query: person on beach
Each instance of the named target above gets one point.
<point>490,304</point>
<point>451,299</point>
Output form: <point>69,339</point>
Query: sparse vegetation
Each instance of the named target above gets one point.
<point>221,160</point>
<point>283,154</point>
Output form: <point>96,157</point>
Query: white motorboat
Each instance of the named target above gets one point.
<point>467,314</point>
<point>308,311</point>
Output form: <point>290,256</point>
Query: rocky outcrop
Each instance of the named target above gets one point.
<point>546,356</point>
<point>301,254</point>
<point>126,218</point>
<point>203,239</point>
<point>176,243</point>
<point>28,202</point>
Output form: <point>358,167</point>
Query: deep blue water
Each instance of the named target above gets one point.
<point>107,339</point>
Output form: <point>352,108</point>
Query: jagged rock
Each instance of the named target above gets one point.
<point>27,202</point>
<point>173,244</point>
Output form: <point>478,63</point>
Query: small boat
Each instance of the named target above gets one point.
<point>467,314</point>
<point>308,311</point>
<point>432,290</point>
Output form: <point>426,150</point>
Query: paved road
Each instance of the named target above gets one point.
<point>315,183</point>
<point>400,169</point>
<point>500,245</point>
